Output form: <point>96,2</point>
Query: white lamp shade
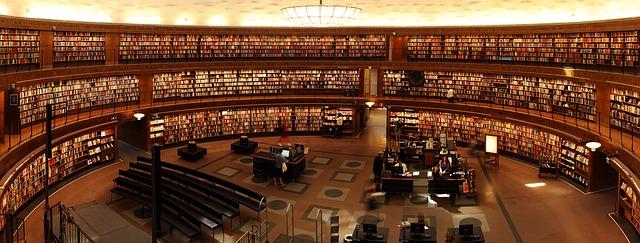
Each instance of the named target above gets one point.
<point>138,115</point>
<point>369,103</point>
<point>593,145</point>
<point>491,144</point>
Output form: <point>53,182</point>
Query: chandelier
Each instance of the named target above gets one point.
<point>321,15</point>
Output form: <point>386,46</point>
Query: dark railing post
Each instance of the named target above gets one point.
<point>155,193</point>
<point>48,156</point>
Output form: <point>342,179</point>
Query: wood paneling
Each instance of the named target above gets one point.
<point>112,44</point>
<point>46,49</point>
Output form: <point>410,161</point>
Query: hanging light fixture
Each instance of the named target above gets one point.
<point>138,116</point>
<point>593,145</point>
<point>321,15</point>
<point>370,103</point>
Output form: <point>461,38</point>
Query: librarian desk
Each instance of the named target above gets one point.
<point>477,236</point>
<point>360,237</point>
<point>399,184</point>
<point>429,236</point>
<point>264,163</point>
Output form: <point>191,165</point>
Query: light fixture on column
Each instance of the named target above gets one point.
<point>568,71</point>
<point>138,116</point>
<point>370,103</point>
<point>321,15</point>
<point>593,145</point>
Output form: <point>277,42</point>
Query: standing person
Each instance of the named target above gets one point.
<point>450,95</point>
<point>339,122</point>
<point>277,170</point>
<point>378,165</point>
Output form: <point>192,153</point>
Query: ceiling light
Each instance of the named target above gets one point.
<point>593,145</point>
<point>321,15</point>
<point>369,103</point>
<point>138,116</point>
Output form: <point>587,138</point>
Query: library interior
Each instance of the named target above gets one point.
<point>308,122</point>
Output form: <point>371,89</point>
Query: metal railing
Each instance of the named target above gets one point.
<point>319,225</point>
<point>14,230</point>
<point>63,227</point>
<point>249,236</point>
<point>289,220</point>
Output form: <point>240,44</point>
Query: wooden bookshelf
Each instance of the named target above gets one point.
<point>574,163</point>
<point>560,96</point>
<point>629,204</point>
<point>189,84</point>
<point>577,164</point>
<point>625,109</point>
<point>70,156</point>
<point>158,46</point>
<point>529,143</point>
<point>19,47</point>
<point>78,47</point>
<point>220,123</point>
<point>615,48</point>
<point>295,46</point>
<point>330,116</point>
<point>76,95</point>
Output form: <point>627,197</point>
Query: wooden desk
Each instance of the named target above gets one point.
<point>428,237</point>
<point>264,164</point>
<point>401,184</point>
<point>477,231</point>
<point>360,237</point>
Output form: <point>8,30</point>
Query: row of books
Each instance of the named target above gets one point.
<point>173,128</point>
<point>515,138</point>
<point>630,203</point>
<point>545,94</point>
<point>76,95</point>
<point>232,82</point>
<point>565,48</point>
<point>625,109</point>
<point>68,157</point>
<point>154,46</point>
<point>19,46</point>
<point>78,46</point>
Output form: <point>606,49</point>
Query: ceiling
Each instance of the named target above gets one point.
<point>375,13</point>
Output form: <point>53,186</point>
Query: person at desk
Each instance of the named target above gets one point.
<point>444,166</point>
<point>378,165</point>
<point>400,164</point>
<point>280,161</point>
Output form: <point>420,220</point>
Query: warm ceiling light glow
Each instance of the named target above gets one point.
<point>67,12</point>
<point>3,10</point>
<point>593,145</point>
<point>535,184</point>
<point>184,21</point>
<point>218,20</point>
<point>144,19</point>
<point>369,103</point>
<point>138,116</point>
<point>321,15</point>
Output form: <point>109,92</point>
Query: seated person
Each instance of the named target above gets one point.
<point>444,166</point>
<point>400,164</point>
<point>435,171</point>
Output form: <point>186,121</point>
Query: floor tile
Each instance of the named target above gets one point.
<point>312,173</point>
<point>312,213</point>
<point>321,160</point>
<point>333,193</point>
<point>258,181</point>
<point>296,187</point>
<point>475,219</point>
<point>228,171</point>
<point>278,205</point>
<point>352,164</point>
<point>344,176</point>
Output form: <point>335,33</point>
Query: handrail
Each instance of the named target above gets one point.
<point>290,217</point>
<point>263,201</point>
<point>319,224</point>
<point>250,233</point>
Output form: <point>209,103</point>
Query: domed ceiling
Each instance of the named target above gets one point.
<point>375,13</point>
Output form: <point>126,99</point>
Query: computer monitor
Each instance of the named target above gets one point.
<point>397,170</point>
<point>369,229</point>
<point>417,228</point>
<point>465,229</point>
<point>285,153</point>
